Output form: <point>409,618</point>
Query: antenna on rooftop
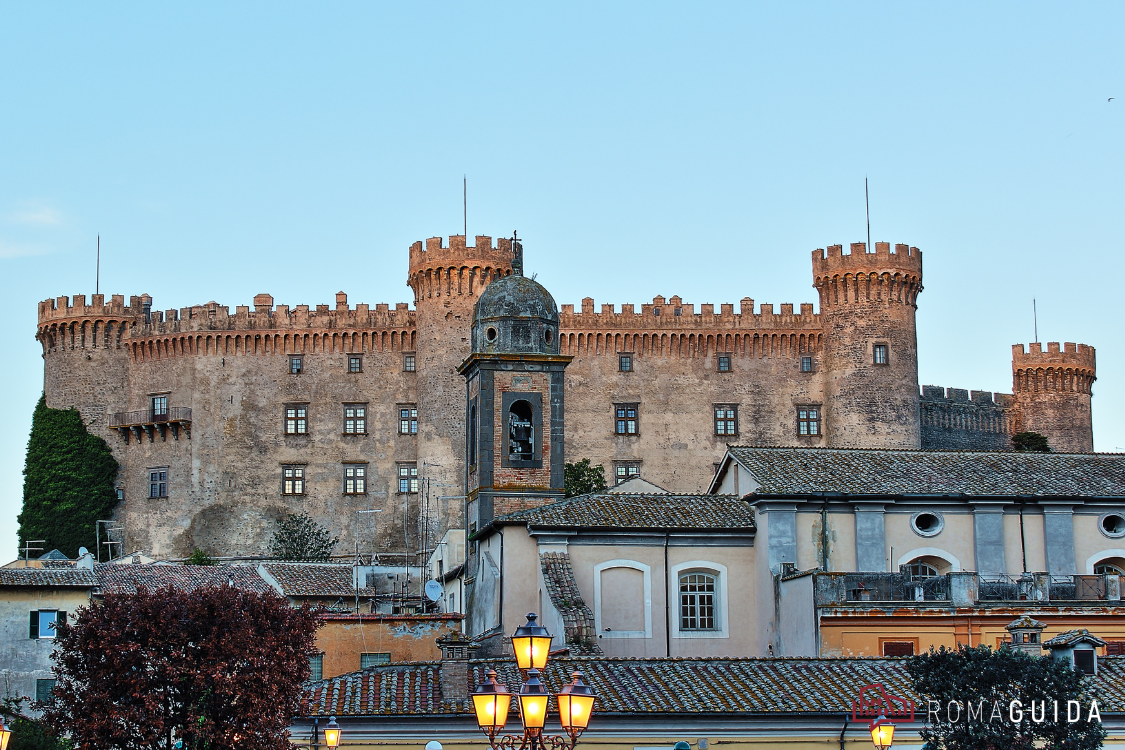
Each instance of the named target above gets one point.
<point>98,267</point>
<point>1035,319</point>
<point>867,203</point>
<point>465,204</point>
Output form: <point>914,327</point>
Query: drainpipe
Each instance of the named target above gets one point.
<point>1023,538</point>
<point>842,730</point>
<point>667,603</point>
<point>501,564</point>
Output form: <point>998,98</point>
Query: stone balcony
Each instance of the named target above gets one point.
<point>150,422</point>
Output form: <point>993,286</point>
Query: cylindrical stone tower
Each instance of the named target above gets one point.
<point>447,281</point>
<point>867,306</point>
<point>1053,391</point>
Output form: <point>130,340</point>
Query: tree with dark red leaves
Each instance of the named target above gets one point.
<point>216,668</point>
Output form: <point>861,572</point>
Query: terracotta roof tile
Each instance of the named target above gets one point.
<point>578,619</point>
<point>126,578</point>
<point>314,579</point>
<point>48,577</point>
<point>636,511</point>
<point>794,471</point>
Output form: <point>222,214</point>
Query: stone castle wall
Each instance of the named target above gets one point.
<point>231,370</point>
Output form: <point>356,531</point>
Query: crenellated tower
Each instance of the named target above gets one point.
<point>1053,390</point>
<point>867,307</point>
<point>447,281</point>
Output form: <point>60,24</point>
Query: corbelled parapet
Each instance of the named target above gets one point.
<point>860,276</point>
<point>62,308</point>
<point>459,269</point>
<point>674,313</point>
<point>1053,392</point>
<point>1069,367</point>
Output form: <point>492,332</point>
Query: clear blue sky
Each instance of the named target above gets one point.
<point>226,149</point>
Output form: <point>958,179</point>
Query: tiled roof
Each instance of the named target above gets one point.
<point>705,686</point>
<point>627,511</point>
<point>794,471</point>
<point>578,620</point>
<point>52,577</point>
<point>1073,637</point>
<point>314,579</point>
<point>126,578</point>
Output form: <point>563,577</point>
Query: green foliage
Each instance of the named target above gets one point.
<point>68,482</point>
<point>28,734</point>
<point>299,537</point>
<point>1031,442</point>
<point>972,675</point>
<point>581,478</point>
<point>199,557</point>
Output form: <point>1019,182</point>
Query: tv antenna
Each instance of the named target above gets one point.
<point>28,549</point>
<point>1035,319</point>
<point>867,203</point>
<point>465,205</point>
<point>98,267</point>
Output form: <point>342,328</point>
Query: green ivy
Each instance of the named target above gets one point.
<point>580,478</point>
<point>68,482</point>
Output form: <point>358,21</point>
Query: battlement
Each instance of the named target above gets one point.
<point>1069,355</point>
<point>62,308</point>
<point>674,314</point>
<point>435,253</point>
<point>833,261</point>
<point>937,394</point>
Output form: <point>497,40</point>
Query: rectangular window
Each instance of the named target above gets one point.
<point>160,407</point>
<point>295,365</point>
<point>316,668</point>
<point>623,470</point>
<point>726,419</point>
<point>806,364</point>
<point>43,690</point>
<point>880,354</point>
<point>808,420</point>
<point>626,422</point>
<point>1115,648</point>
<point>898,648</point>
<point>355,419</point>
<point>374,660</point>
<point>355,363</point>
<point>408,363</point>
<point>158,482</point>
<point>724,363</point>
<point>625,363</point>
<point>355,479</point>
<point>1084,661</point>
<point>407,478</point>
<point>697,601</point>
<point>43,622</point>
<point>297,419</point>
<point>292,480</point>
<point>408,420</point>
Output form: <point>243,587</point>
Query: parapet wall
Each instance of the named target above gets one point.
<point>881,276</point>
<point>457,270</point>
<point>959,419</point>
<point>675,314</point>
<point>1070,368</point>
<point>834,261</point>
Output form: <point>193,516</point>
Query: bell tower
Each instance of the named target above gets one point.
<point>514,455</point>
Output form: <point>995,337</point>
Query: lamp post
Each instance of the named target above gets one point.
<point>492,701</point>
<point>882,732</point>
<point>5,735</point>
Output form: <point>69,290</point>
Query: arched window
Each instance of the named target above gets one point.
<point>521,432</point>
<point>699,610</point>
<point>919,568</point>
<point>1110,566</point>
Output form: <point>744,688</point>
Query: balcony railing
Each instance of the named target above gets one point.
<point>895,587</point>
<point>150,422</point>
<point>962,589</point>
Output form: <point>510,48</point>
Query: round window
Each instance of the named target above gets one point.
<point>548,335</point>
<point>1112,525</point>
<point>490,333</point>
<point>927,523</point>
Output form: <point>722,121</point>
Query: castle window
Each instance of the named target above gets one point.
<point>808,420</point>
<point>408,363</point>
<point>160,407</point>
<point>293,480</point>
<point>625,363</point>
<point>724,363</point>
<point>355,479</point>
<point>678,311</point>
<point>407,419</point>
<point>881,354</point>
<point>806,364</point>
<point>355,363</point>
<point>355,419</point>
<point>521,432</point>
<point>625,470</point>
<point>296,419</point>
<point>656,311</point>
<point>407,478</point>
<point>726,419</point>
<point>296,365</point>
<point>626,422</point>
<point>158,482</point>
<point>698,601</point>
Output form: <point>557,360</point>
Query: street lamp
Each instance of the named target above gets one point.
<point>882,732</point>
<point>332,733</point>
<point>5,735</point>
<point>492,701</point>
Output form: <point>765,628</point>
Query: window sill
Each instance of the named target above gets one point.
<point>354,434</point>
<point>354,494</point>
<point>295,434</point>
<point>293,494</point>
<point>691,634</point>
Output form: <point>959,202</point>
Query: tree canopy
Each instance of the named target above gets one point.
<point>215,668</point>
<point>580,478</point>
<point>1031,442</point>
<point>986,700</point>
<point>299,537</point>
<point>68,482</point>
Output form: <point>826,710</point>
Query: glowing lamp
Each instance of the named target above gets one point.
<point>882,732</point>
<point>533,702</point>
<point>576,703</point>
<point>332,733</point>
<point>5,735</point>
<point>491,702</point>
<point>531,643</point>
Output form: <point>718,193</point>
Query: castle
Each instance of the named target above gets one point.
<point>224,422</point>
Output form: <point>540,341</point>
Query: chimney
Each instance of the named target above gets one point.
<point>456,650</point>
<point>1027,635</point>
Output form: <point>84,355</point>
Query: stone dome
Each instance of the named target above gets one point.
<point>516,315</point>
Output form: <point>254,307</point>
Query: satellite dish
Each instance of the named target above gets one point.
<point>433,590</point>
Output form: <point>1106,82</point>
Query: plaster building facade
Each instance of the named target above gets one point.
<point>224,421</point>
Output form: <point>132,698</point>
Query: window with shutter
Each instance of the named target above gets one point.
<point>43,690</point>
<point>34,633</point>
<point>1115,648</point>
<point>898,648</point>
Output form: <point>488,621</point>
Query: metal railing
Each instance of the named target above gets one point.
<point>895,587</point>
<point>150,416</point>
<point>1042,587</point>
